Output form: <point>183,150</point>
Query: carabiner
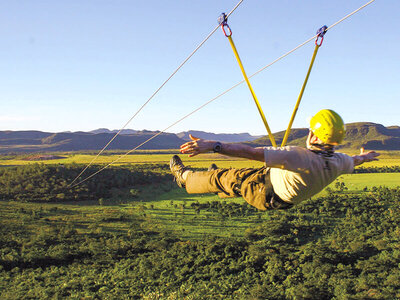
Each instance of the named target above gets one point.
<point>223,21</point>
<point>320,34</point>
<point>227,32</point>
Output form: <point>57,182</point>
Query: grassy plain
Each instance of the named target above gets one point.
<point>353,181</point>
<point>356,182</point>
<point>387,158</point>
<point>169,207</point>
<point>115,216</point>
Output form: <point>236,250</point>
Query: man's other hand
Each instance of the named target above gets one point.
<point>369,155</point>
<point>196,146</point>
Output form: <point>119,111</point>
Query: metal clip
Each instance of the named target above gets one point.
<point>321,32</point>
<point>223,21</point>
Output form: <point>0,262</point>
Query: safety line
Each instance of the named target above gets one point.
<point>221,94</point>
<point>152,96</point>
<point>296,107</point>
<point>262,115</point>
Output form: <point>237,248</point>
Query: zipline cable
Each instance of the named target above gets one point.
<point>350,14</point>
<point>309,40</point>
<point>221,94</point>
<point>154,136</point>
<point>155,93</point>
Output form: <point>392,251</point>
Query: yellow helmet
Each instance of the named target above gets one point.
<point>328,126</point>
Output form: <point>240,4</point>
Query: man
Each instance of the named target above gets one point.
<point>291,174</point>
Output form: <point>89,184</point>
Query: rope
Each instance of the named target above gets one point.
<point>271,136</point>
<point>221,94</point>
<point>296,107</point>
<point>155,93</point>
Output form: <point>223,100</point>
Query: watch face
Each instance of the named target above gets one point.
<point>217,147</point>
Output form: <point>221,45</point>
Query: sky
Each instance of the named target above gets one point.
<point>82,65</point>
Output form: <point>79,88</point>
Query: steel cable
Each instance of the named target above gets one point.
<point>221,94</point>
<point>155,93</point>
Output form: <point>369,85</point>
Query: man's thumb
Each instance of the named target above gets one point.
<point>193,138</point>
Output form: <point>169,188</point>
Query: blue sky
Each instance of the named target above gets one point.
<point>82,65</point>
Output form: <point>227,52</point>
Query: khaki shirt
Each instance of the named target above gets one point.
<point>298,173</point>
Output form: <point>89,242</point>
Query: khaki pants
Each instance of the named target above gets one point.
<point>252,184</point>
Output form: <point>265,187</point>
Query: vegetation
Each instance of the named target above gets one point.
<point>135,235</point>
<point>43,183</point>
<point>385,169</point>
<point>151,157</point>
<point>341,246</point>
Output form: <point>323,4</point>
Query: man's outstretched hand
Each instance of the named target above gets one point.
<point>196,146</point>
<point>369,155</point>
<point>365,157</point>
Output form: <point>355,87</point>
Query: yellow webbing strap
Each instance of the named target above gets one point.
<point>285,138</point>
<point>271,137</point>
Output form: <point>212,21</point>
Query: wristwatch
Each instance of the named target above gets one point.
<point>217,147</point>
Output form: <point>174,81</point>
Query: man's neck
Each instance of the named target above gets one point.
<point>321,148</point>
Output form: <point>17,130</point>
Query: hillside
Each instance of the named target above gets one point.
<point>363,134</point>
<point>34,141</point>
<point>366,134</point>
<point>222,137</point>
<point>373,136</point>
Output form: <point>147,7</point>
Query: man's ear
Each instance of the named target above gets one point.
<point>314,139</point>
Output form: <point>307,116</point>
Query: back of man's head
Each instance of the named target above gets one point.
<point>328,126</point>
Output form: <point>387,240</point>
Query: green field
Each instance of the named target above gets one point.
<point>356,182</point>
<point>148,239</point>
<point>387,158</point>
<point>170,207</point>
<point>187,223</point>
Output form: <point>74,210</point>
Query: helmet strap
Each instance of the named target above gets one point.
<point>323,149</point>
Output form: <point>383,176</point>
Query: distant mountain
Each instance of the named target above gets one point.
<point>369,135</point>
<point>222,137</point>
<point>297,137</point>
<point>372,136</point>
<point>4,135</point>
<point>36,141</point>
<point>105,130</point>
<point>100,130</point>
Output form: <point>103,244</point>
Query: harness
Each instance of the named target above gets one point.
<point>223,22</point>
<point>272,200</point>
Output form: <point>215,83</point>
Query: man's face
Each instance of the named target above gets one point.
<point>309,138</point>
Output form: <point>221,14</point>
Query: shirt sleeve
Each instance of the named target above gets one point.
<point>347,163</point>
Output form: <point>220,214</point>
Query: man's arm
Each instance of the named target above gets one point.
<point>364,157</point>
<point>197,146</point>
